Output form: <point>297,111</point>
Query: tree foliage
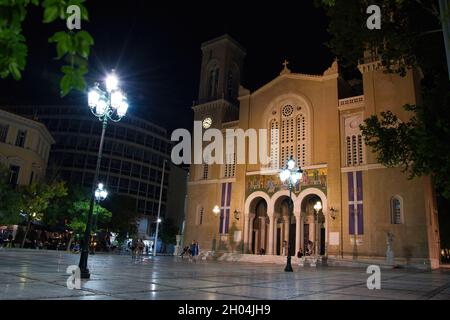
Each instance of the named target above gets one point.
<point>169,231</point>
<point>124,214</point>
<point>420,145</point>
<point>71,46</point>
<point>36,198</point>
<point>9,200</point>
<point>78,212</point>
<point>407,38</point>
<point>73,210</point>
<point>410,37</point>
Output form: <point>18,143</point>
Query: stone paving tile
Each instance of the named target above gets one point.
<point>382,293</point>
<point>36,290</point>
<point>11,278</point>
<point>332,296</point>
<point>189,283</point>
<point>298,285</point>
<point>251,292</point>
<point>121,286</point>
<point>178,295</point>
<point>34,274</point>
<point>87,297</point>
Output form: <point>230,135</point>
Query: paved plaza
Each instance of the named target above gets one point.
<point>32,274</point>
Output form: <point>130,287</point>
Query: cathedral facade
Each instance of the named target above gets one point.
<point>364,208</point>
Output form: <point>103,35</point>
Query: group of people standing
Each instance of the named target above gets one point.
<point>192,251</point>
<point>137,247</point>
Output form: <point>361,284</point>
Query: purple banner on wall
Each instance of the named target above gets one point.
<point>359,186</point>
<point>351,206</point>
<point>360,219</point>
<point>225,208</point>
<point>359,194</point>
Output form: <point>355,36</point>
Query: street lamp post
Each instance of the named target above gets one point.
<point>317,208</point>
<point>100,195</point>
<point>110,105</point>
<point>216,211</point>
<point>158,220</point>
<point>290,176</point>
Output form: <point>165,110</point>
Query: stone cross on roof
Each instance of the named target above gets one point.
<point>285,69</point>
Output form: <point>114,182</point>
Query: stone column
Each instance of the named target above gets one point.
<point>272,226</point>
<point>250,234</point>
<point>262,229</point>
<point>286,233</point>
<point>246,231</point>
<point>298,236</point>
<point>312,233</point>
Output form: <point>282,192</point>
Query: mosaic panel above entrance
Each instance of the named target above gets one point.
<point>271,184</point>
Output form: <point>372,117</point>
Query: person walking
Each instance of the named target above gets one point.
<point>194,250</point>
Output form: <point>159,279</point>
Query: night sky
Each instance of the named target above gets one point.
<point>156,50</point>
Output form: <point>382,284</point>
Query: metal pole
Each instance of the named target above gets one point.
<point>317,234</point>
<point>159,207</point>
<point>288,267</point>
<point>85,274</point>
<point>96,216</point>
<point>445,20</point>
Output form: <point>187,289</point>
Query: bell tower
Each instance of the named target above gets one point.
<point>220,77</point>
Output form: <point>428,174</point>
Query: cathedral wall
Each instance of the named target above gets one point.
<point>410,236</point>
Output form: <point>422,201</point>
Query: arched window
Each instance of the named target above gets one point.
<point>354,141</point>
<point>396,210</point>
<point>213,82</point>
<point>230,85</point>
<point>289,135</point>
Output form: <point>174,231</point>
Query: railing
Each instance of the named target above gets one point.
<point>351,101</point>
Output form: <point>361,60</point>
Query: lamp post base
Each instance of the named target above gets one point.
<point>288,267</point>
<point>85,274</point>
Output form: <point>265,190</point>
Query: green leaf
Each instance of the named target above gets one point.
<point>15,72</point>
<point>64,43</point>
<point>65,84</point>
<point>50,14</point>
<point>83,40</point>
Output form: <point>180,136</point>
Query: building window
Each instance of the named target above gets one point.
<point>230,166</point>
<point>14,175</point>
<point>213,83</point>
<point>31,177</point>
<point>354,150</point>
<point>205,172</point>
<point>293,137</point>
<point>360,149</point>
<point>200,215</point>
<point>274,144</point>
<point>354,141</point>
<point>20,140</point>
<point>3,132</point>
<point>231,85</point>
<point>396,210</point>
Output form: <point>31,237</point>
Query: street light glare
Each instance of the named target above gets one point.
<point>100,109</point>
<point>291,164</point>
<point>284,175</point>
<point>112,82</point>
<point>116,99</point>
<point>93,98</point>
<point>318,206</point>
<point>123,107</point>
